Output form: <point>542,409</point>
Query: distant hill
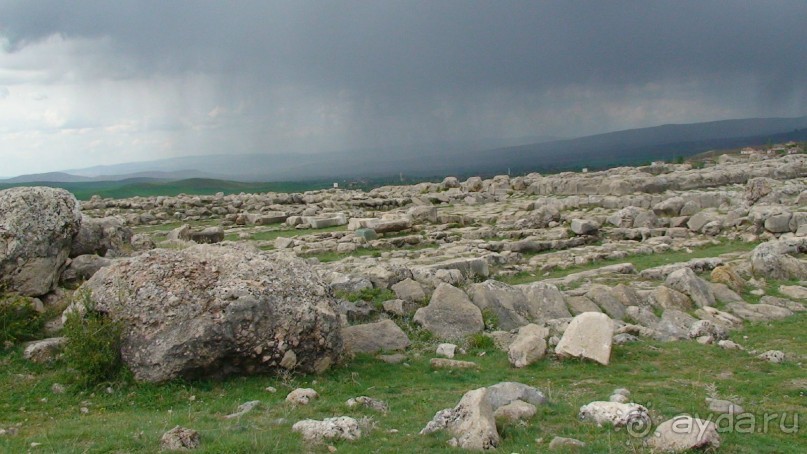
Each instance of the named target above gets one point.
<point>484,157</point>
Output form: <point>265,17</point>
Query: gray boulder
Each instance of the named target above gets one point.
<point>507,303</point>
<point>471,422</point>
<point>602,296</point>
<point>775,260</point>
<point>37,227</point>
<point>214,310</point>
<point>83,267</point>
<point>409,290</point>
<point>450,314</point>
<point>687,282</point>
<point>584,227</point>
<point>102,236</point>
<point>684,433</point>
<point>545,302</point>
<point>504,393</point>
<point>529,345</point>
<point>374,337</point>
<point>589,336</point>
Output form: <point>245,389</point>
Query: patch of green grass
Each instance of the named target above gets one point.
<point>668,378</point>
<point>271,235</point>
<point>640,261</point>
<point>93,346</point>
<point>19,320</point>
<point>371,295</point>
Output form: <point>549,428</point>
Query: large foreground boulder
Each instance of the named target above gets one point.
<point>37,226</point>
<point>214,310</point>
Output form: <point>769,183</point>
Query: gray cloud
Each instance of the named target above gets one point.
<point>356,73</point>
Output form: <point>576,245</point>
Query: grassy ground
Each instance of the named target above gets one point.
<point>669,379</point>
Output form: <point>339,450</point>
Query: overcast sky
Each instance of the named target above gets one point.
<point>99,82</point>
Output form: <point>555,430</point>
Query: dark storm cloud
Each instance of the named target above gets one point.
<point>438,46</point>
<point>364,73</point>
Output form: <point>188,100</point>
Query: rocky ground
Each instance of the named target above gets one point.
<point>548,268</point>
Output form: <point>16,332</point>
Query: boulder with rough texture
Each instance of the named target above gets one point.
<point>450,314</point>
<point>215,310</point>
<point>339,428</point>
<point>301,396</point>
<point>584,227</point>
<point>775,260</point>
<point>758,312</point>
<point>506,302</point>
<point>558,443</point>
<point>45,350</point>
<point>506,392</point>
<point>374,337</point>
<point>471,422</point>
<point>529,345</point>
<point>37,227</point>
<point>675,325</point>
<point>82,268</point>
<point>180,439</point>
<point>687,282</point>
<point>102,236</point>
<point>517,410</point>
<point>409,290</point>
<point>589,336</point>
<point>684,433</point>
<point>545,302</point>
<point>614,413</point>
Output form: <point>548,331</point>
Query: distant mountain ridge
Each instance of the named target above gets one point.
<point>484,157</point>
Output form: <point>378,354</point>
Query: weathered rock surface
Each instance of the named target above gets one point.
<point>471,422</point>
<point>589,336</point>
<point>37,227</point>
<point>338,428</point>
<point>529,345</point>
<point>684,433</point>
<point>213,310</point>
<point>614,413</point>
<point>374,337</point>
<point>180,439</point>
<point>450,314</point>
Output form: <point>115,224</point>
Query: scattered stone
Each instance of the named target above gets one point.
<point>614,413</point>
<point>565,443</point>
<point>683,433</point>
<point>588,336</point>
<point>368,402</point>
<point>773,356</point>
<point>180,438</point>
<point>302,396</point>
<point>396,358</point>
<point>517,410</point>
<point>729,345</point>
<point>446,350</point>
<point>471,422</point>
<point>338,428</point>
<point>529,345</point>
<point>506,392</point>
<point>243,409</point>
<point>45,350</point>
<point>450,314</point>
<point>724,406</point>
<point>685,281</point>
<point>374,337</point>
<point>444,363</point>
